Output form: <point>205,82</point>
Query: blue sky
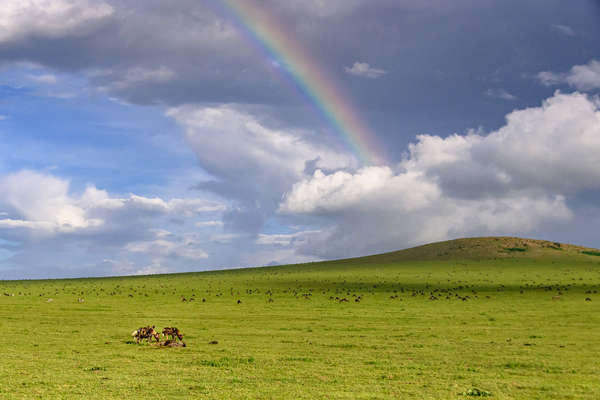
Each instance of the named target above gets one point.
<point>145,137</point>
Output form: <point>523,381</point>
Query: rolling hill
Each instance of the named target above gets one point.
<point>495,317</point>
<point>483,248</point>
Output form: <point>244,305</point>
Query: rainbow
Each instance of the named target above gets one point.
<point>306,75</point>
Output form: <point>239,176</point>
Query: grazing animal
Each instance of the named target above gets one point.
<point>173,333</point>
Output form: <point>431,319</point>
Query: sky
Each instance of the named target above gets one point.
<point>141,137</point>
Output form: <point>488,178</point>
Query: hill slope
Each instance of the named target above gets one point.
<point>480,248</point>
<point>505,318</point>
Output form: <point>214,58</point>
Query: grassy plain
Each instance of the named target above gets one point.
<point>525,331</point>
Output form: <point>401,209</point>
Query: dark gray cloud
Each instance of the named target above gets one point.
<point>213,61</point>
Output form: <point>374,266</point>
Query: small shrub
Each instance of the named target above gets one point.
<point>92,369</point>
<point>515,249</point>
<point>516,365</point>
<point>475,392</point>
<point>591,253</point>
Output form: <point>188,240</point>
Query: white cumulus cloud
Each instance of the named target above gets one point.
<point>364,70</point>
<point>564,29</point>
<point>499,94</point>
<point>509,181</point>
<point>40,210</point>
<point>584,77</point>
<point>250,161</point>
<point>36,201</point>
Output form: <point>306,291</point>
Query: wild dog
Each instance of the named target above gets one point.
<point>140,334</point>
<point>173,333</point>
<point>152,333</point>
<point>145,332</point>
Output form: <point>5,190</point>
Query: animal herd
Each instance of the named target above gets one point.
<point>174,338</point>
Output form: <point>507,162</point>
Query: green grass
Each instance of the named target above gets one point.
<point>523,331</point>
<point>591,253</point>
<point>520,249</point>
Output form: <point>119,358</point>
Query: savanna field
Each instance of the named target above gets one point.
<point>500,318</point>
